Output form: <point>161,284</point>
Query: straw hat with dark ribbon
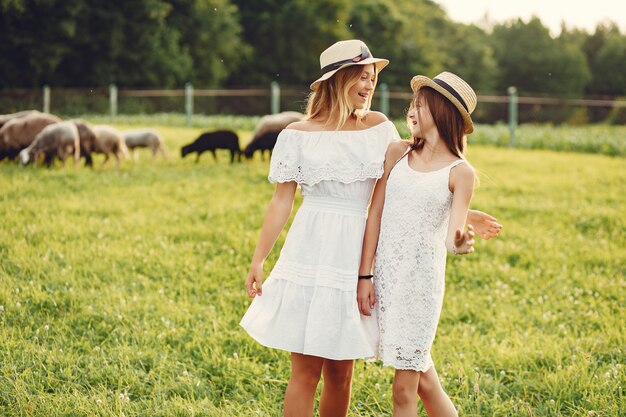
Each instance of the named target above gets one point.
<point>344,54</point>
<point>454,89</point>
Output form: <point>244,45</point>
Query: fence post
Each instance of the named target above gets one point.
<point>512,113</point>
<point>384,99</point>
<point>113,101</point>
<point>275,97</point>
<point>188,103</point>
<point>46,98</point>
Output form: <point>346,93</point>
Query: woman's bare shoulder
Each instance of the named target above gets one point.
<point>304,126</point>
<point>374,118</point>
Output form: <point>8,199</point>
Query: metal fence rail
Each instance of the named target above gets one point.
<point>255,101</point>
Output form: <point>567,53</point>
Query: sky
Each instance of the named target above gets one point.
<point>582,14</point>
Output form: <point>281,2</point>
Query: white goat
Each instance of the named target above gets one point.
<point>58,140</point>
<point>144,138</point>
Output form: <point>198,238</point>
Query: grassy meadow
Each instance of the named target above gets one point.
<point>121,289</point>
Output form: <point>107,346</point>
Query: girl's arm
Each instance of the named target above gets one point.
<point>461,184</point>
<point>277,214</point>
<point>365,288</point>
<point>485,226</point>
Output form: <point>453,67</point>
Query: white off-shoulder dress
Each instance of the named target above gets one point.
<point>309,301</point>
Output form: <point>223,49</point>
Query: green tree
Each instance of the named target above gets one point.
<point>419,38</point>
<point>141,43</point>
<point>35,36</point>
<point>612,59</point>
<point>470,55</point>
<point>533,61</point>
<point>212,35</point>
<point>606,53</point>
<point>287,38</point>
<point>402,31</point>
<point>127,43</point>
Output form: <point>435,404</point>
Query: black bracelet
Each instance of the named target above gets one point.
<point>366,276</point>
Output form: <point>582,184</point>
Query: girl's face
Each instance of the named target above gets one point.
<point>419,119</point>
<point>360,92</point>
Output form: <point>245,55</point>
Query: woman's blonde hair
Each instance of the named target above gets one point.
<point>331,99</point>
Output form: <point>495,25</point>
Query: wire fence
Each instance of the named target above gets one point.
<point>69,102</point>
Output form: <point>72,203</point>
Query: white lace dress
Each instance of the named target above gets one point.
<point>410,264</point>
<point>309,299</point>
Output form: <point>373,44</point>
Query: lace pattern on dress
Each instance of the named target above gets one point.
<point>410,264</point>
<point>343,156</point>
<point>283,172</point>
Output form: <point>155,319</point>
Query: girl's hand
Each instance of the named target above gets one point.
<point>365,296</point>
<point>254,280</point>
<point>464,241</point>
<point>486,226</point>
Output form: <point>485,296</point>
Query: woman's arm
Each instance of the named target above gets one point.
<point>277,214</point>
<point>458,241</point>
<point>365,288</point>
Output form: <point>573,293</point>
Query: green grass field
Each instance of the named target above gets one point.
<point>121,291</point>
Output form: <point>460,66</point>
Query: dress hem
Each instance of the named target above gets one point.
<point>303,352</point>
<point>408,368</point>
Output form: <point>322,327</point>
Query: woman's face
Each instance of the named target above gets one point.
<point>360,92</point>
<point>419,118</point>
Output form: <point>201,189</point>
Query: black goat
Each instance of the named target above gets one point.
<point>210,141</point>
<point>267,130</point>
<point>265,142</point>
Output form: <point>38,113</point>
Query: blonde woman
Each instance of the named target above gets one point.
<point>307,305</point>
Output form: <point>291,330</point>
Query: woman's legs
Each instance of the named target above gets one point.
<point>434,398</point>
<point>305,375</point>
<point>405,385</point>
<point>335,398</point>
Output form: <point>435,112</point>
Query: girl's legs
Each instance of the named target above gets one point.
<point>434,398</point>
<point>405,385</point>
<point>335,398</point>
<point>305,375</point>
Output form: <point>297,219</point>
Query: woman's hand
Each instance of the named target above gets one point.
<point>254,280</point>
<point>464,241</point>
<point>365,296</point>
<point>485,226</point>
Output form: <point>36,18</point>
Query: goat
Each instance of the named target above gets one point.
<point>210,141</point>
<point>267,130</point>
<point>56,140</point>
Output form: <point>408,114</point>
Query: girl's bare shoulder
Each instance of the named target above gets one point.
<point>396,149</point>
<point>463,171</point>
<point>399,145</point>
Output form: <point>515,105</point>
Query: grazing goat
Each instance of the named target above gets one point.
<point>144,138</point>
<point>6,117</point>
<point>87,140</point>
<point>110,142</point>
<point>210,141</point>
<point>58,140</point>
<point>267,130</point>
<point>18,133</point>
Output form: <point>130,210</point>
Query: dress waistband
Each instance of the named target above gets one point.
<point>336,205</point>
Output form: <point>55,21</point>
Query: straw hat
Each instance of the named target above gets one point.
<point>454,89</point>
<point>344,54</point>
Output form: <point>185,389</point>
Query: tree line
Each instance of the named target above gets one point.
<point>237,43</point>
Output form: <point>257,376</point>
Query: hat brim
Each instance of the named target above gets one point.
<point>420,81</point>
<point>379,62</point>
